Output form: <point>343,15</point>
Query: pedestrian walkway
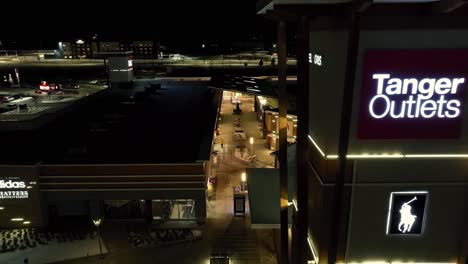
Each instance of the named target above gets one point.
<point>223,232</point>
<point>252,128</point>
<point>235,236</point>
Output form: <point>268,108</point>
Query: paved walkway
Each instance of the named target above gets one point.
<point>223,232</point>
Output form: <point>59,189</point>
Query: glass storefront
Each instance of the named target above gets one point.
<point>181,209</point>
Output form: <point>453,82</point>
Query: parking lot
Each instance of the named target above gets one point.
<point>29,102</point>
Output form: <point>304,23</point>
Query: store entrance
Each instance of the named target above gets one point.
<point>181,209</point>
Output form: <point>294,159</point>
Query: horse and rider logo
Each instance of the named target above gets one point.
<point>406,217</point>
<point>406,212</point>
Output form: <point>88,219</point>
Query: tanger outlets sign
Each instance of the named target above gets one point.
<point>13,189</point>
<point>425,99</point>
<point>406,213</point>
<point>413,94</point>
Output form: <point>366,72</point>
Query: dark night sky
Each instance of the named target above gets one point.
<point>171,21</point>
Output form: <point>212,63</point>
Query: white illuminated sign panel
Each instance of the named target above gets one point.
<point>413,94</point>
<point>13,189</point>
<point>406,213</point>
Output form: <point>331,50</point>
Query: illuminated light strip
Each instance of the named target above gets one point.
<point>396,262</point>
<point>390,207</point>
<point>17,219</point>
<point>370,262</point>
<point>295,205</point>
<point>423,262</point>
<point>314,254</point>
<point>365,262</point>
<point>254,90</point>
<point>26,222</point>
<point>375,156</point>
<point>316,146</point>
<point>436,155</point>
<point>386,156</point>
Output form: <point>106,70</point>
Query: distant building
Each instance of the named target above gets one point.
<point>108,46</point>
<point>79,49</point>
<point>144,50</point>
<point>86,49</point>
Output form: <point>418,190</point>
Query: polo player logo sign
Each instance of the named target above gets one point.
<point>406,213</point>
<point>406,218</point>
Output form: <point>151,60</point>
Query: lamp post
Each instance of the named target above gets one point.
<point>251,145</point>
<point>243,181</point>
<point>97,223</point>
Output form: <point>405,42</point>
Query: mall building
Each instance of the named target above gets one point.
<point>382,142</point>
<point>136,154</point>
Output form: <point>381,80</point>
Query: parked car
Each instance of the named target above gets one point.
<point>8,99</point>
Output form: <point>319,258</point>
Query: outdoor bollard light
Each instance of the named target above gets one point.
<point>97,223</point>
<point>243,181</point>
<point>251,145</point>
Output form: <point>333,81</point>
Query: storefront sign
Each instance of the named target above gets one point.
<point>12,184</point>
<point>14,194</point>
<point>315,59</point>
<point>413,94</point>
<point>11,189</point>
<point>406,213</point>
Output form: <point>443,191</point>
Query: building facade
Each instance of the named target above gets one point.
<point>89,49</point>
<point>381,143</point>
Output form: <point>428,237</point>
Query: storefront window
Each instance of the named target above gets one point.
<point>173,209</point>
<point>124,209</point>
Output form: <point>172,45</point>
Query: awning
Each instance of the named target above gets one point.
<point>264,193</point>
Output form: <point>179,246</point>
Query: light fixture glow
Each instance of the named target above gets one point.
<point>394,262</point>
<point>312,249</point>
<point>295,205</point>
<point>26,222</point>
<point>316,146</point>
<point>97,222</point>
<point>436,155</point>
<point>18,219</point>
<point>251,140</point>
<point>243,177</point>
<point>375,156</point>
<point>253,90</point>
<point>386,155</point>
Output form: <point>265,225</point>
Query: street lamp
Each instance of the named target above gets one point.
<point>243,181</point>
<point>251,145</point>
<point>97,223</point>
